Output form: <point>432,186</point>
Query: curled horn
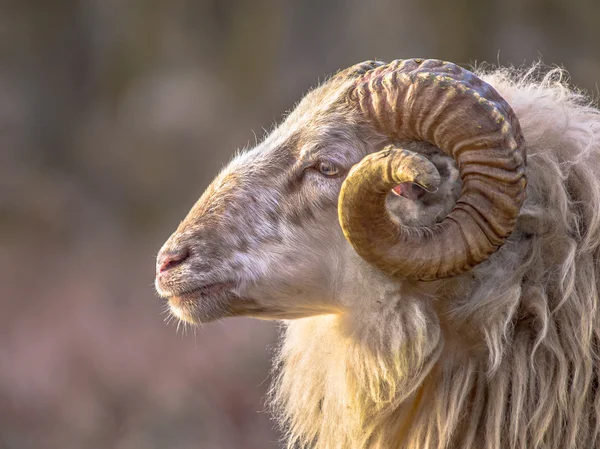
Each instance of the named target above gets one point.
<point>443,104</point>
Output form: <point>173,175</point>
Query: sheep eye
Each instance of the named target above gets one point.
<point>326,168</point>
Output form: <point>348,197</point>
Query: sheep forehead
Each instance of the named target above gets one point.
<point>314,122</point>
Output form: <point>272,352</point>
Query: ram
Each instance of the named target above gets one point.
<point>431,239</point>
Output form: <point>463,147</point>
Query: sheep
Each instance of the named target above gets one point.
<point>430,238</point>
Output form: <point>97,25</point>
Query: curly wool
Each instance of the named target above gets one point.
<point>505,356</point>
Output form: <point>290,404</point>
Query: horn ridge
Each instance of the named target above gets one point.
<point>450,107</point>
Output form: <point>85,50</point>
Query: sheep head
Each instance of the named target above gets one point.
<point>287,229</point>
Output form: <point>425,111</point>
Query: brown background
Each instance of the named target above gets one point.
<point>114,116</point>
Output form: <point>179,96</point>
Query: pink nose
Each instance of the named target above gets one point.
<point>171,259</point>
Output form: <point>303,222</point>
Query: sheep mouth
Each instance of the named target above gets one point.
<point>212,302</point>
<point>203,303</point>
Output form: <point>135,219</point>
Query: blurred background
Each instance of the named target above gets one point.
<point>114,117</point>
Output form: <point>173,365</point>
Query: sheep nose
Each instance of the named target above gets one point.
<point>170,259</point>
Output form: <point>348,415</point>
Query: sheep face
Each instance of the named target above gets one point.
<point>264,239</point>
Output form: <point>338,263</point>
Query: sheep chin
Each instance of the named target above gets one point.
<point>216,302</point>
<point>204,304</point>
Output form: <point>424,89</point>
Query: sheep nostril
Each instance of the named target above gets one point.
<point>172,259</point>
